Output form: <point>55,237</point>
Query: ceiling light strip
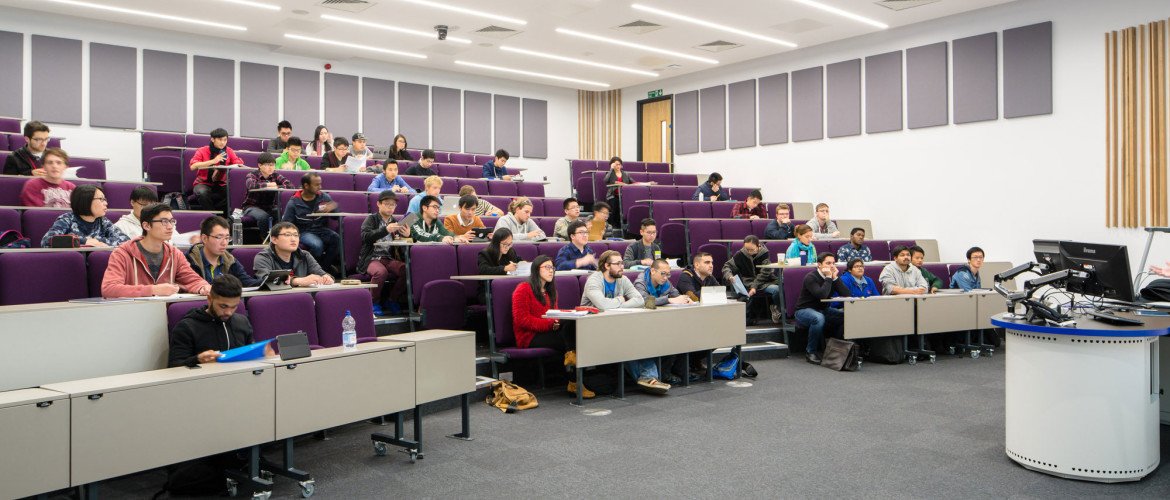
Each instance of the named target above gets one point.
<point>143,13</point>
<point>493,67</point>
<point>709,24</point>
<point>464,10</point>
<point>575,60</point>
<point>843,13</point>
<point>386,27</point>
<point>254,4</point>
<point>354,46</point>
<point>635,46</point>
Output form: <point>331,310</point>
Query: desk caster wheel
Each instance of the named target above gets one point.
<point>974,353</point>
<point>990,352</point>
<point>233,488</point>
<point>933,358</point>
<point>951,350</point>
<point>262,495</point>
<point>266,475</point>
<point>912,359</point>
<point>379,448</point>
<point>308,488</point>
<point>414,456</point>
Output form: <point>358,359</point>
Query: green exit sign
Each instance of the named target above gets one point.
<point>654,93</point>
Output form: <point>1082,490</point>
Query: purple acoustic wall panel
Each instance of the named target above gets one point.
<point>11,82</point>
<point>259,100</point>
<point>713,118</point>
<point>883,92</point>
<point>302,99</point>
<point>686,122</point>
<point>774,109</point>
<point>113,98</point>
<point>808,99</point>
<point>477,123</point>
<point>414,113</point>
<point>843,106</point>
<point>446,116</point>
<point>56,79</point>
<point>1027,70</point>
<point>341,104</point>
<point>214,94</point>
<point>378,111</point>
<point>535,129</point>
<point>164,91</point>
<point>506,124</point>
<point>976,78</point>
<point>741,114</point>
<point>926,86</point>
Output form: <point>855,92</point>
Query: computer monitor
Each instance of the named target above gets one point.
<point>1048,253</point>
<point>1105,268</point>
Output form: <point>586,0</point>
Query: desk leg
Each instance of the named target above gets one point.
<point>491,329</point>
<point>88,491</point>
<point>686,378</point>
<point>580,386</point>
<point>418,429</point>
<point>288,469</point>
<point>710,366</point>
<point>382,440</point>
<point>341,245</point>
<point>252,481</point>
<point>409,290</point>
<point>465,408</point>
<point>621,393</point>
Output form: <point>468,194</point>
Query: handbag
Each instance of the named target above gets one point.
<point>726,369</point>
<point>842,355</point>
<point>510,398</point>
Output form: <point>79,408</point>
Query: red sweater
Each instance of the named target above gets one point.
<point>205,176</point>
<point>127,274</point>
<point>527,315</point>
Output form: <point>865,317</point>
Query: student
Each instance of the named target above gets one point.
<point>398,149</point>
<point>822,227</point>
<point>917,257</point>
<point>967,277</point>
<point>378,259</point>
<point>427,227</point>
<point>263,206</point>
<point>901,278</point>
<point>283,133</point>
<point>462,222</point>
<point>284,253</point>
<point>810,311</point>
<point>597,230</point>
<point>423,167</point>
<point>613,193</point>
<point>131,226</point>
<point>577,254</point>
<point>291,159</point>
<point>745,265</point>
<point>531,300</point>
<point>50,189</point>
<point>359,149</point>
<point>482,207</point>
<point>802,248</point>
<point>322,242</point>
<point>205,332</point>
<point>210,257</point>
<point>751,208</point>
<point>27,159</point>
<point>646,249</point>
<point>335,160</point>
<point>654,283</point>
<point>211,185</point>
<point>431,187</point>
<point>390,181</point>
<point>779,228</point>
<point>499,256</point>
<point>699,274</point>
<point>711,189</point>
<point>321,143</point>
<point>856,248</point>
<point>494,170</point>
<point>857,282</point>
<point>86,220</point>
<point>572,214</point>
<point>149,265</point>
<point>520,222</point>
<point>608,289</point>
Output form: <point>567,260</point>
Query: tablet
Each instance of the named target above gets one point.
<point>277,279</point>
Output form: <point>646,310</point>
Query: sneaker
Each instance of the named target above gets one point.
<point>394,307</point>
<point>653,386</point>
<point>585,392</point>
<point>377,310</point>
<point>812,357</point>
<point>570,358</point>
<point>775,313</point>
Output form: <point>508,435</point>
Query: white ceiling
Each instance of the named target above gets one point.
<point>783,19</point>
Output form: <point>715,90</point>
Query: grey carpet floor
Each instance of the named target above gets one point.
<point>800,431</point>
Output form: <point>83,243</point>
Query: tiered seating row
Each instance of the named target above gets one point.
<point>12,141</point>
<point>118,193</point>
<point>90,168</point>
<point>583,183</point>
<point>33,223</point>
<point>701,232</point>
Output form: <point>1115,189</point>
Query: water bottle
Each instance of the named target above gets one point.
<point>348,331</point>
<point>237,227</point>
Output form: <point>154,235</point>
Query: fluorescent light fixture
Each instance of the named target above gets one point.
<point>143,13</point>
<point>464,10</point>
<point>255,4</point>
<point>833,10</point>
<point>386,27</point>
<point>709,24</point>
<point>575,61</point>
<point>638,46</point>
<point>353,46</point>
<point>530,73</point>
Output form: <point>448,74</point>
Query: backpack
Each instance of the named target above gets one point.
<point>13,239</point>
<point>510,398</point>
<point>175,200</point>
<point>726,369</point>
<point>201,477</point>
<point>887,350</point>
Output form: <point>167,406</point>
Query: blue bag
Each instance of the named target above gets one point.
<point>728,368</point>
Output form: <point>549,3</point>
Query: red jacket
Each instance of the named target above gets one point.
<point>128,275</point>
<point>204,176</point>
<point>527,315</point>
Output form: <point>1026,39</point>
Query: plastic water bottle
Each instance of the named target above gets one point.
<point>237,227</point>
<point>348,331</point>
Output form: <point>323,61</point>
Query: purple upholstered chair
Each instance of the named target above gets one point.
<point>900,243</point>
<point>480,185</point>
<point>504,340</point>
<point>663,179</point>
<point>330,181</point>
<point>10,190</point>
<point>10,125</point>
<point>718,253</point>
<point>4,142</point>
<point>702,231</point>
<point>361,182</point>
<point>461,158</point>
<point>273,315</point>
<point>663,192</point>
<point>583,187</point>
<point>502,188</point>
<point>481,159</point>
<point>118,193</point>
<point>187,221</point>
<point>735,229</point>
<point>673,237</point>
<point>634,166</point>
<point>874,271</point>
<point>793,281</point>
<point>550,249</point>
<point>331,307</point>
<point>697,209</point>
<point>442,157</point>
<point>196,140</point>
<point>657,167</point>
<point>834,245</point>
<point>759,226</point>
<point>17,141</point>
<point>664,211</point>
<point>879,249</point>
<point>568,292</point>
<point>686,180</point>
<point>448,170</point>
<point>443,305</point>
<point>349,201</point>
<point>249,158</point>
<point>617,246</point>
<point>19,270</point>
<point>89,168</point>
<point>246,257</point>
<point>467,263</point>
<point>238,186</point>
<point>530,189</point>
<point>429,263</point>
<point>9,219</point>
<point>176,311</point>
<point>96,263</point>
<point>546,224</point>
<point>37,222</point>
<point>634,215</point>
<point>246,144</point>
<point>527,252</point>
<point>351,227</point>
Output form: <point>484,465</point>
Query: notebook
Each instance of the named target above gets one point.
<point>713,295</point>
<point>355,165</point>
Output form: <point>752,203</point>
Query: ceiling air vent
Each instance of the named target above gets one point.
<point>497,32</point>
<point>903,4</point>
<point>718,46</point>
<point>638,27</point>
<point>798,26</point>
<point>346,5</point>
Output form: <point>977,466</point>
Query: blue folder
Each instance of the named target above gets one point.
<point>244,353</point>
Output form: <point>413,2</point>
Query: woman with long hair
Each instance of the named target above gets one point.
<point>530,301</point>
<point>322,142</point>
<point>498,257</point>
<point>612,192</point>
<point>398,149</point>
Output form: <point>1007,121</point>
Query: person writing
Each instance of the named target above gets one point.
<point>498,257</point>
<point>494,169</point>
<point>646,249</point>
<point>531,300</point>
<point>654,283</point>
<point>389,180</point>
<point>462,222</point>
<point>335,160</point>
<point>520,222</point>
<point>378,260</point>
<point>751,208</point>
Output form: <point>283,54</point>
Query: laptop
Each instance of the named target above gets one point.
<point>450,206</point>
<point>711,295</point>
<point>277,279</point>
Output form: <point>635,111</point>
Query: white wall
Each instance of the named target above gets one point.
<point>123,148</point>
<point>995,184</point>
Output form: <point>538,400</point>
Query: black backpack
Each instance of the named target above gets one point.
<point>886,350</point>
<point>13,239</point>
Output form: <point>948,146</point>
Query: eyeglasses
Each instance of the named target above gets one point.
<point>101,199</point>
<point>662,273</point>
<point>433,205</point>
<point>290,235</point>
<point>219,238</point>
<point>581,232</point>
<point>546,267</point>
<point>39,140</point>
<point>165,222</point>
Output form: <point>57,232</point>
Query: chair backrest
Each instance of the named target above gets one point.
<point>9,219</point>
<point>331,307</point>
<point>361,182</point>
<point>196,140</point>
<point>461,158</point>
<point>118,193</point>
<point>664,179</point>
<point>663,212</point>
<point>443,305</point>
<point>351,227</point>
<point>583,188</point>
<point>238,185</point>
<point>502,309</point>
<point>10,188</point>
<point>686,179</point>
<point>697,209</point>
<point>674,239</point>
<point>657,167</point>
<point>89,168</point>
<point>20,270</point>
<point>429,263</point>
<point>735,229</point>
<point>449,170</point>
<point>546,224</point>
<point>246,144</point>
<point>793,283</point>
<point>37,222</point>
<point>759,226</point>
<point>176,311</point>
<point>718,253</point>
<point>273,315</point>
<point>11,125</point>
<point>617,246</point>
<point>502,188</point>
<point>530,189</point>
<point>480,185</point>
<point>664,193</point>
<point>246,257</point>
<point>701,232</point>
<point>96,263</point>
<point>481,159</point>
<point>879,249</point>
<point>186,221</point>
<point>350,201</point>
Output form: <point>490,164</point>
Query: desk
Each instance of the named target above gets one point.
<point>444,367</point>
<point>945,312</point>
<point>877,316</point>
<point>34,427</point>
<point>1082,402</point>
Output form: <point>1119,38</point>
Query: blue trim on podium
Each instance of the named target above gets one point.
<point>1081,331</point>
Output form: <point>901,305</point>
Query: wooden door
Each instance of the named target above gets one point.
<point>656,143</point>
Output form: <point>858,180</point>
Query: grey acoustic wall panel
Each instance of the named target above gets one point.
<point>477,122</point>
<point>844,102</point>
<point>341,104</point>
<point>260,101</point>
<point>713,118</point>
<point>302,101</point>
<point>164,91</point>
<point>446,118</point>
<point>113,91</point>
<point>883,92</point>
<point>808,98</point>
<point>1027,70</point>
<point>378,111</point>
<point>976,78</point>
<point>214,94</point>
<point>926,86</point>
<point>774,109</point>
<point>741,114</point>
<point>11,82</point>
<point>686,122</point>
<point>414,107</point>
<point>535,128</point>
<point>506,127</point>
<point>56,79</point>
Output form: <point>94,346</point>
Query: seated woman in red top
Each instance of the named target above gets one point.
<point>530,301</point>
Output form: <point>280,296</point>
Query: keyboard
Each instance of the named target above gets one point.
<point>1113,319</point>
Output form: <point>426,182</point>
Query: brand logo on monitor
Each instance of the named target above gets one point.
<point>1089,250</point>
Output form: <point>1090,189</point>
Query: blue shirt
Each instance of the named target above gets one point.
<point>807,253</point>
<point>381,184</point>
<point>492,172</point>
<point>848,253</point>
<point>864,288</point>
<point>568,255</point>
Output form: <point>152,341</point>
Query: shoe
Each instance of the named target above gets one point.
<point>570,358</point>
<point>747,370</point>
<point>775,313</point>
<point>813,358</point>
<point>585,392</point>
<point>377,310</point>
<point>653,386</point>
<point>394,307</point>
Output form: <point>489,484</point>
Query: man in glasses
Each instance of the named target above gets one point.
<point>577,254</point>
<point>284,252</point>
<point>27,160</point>
<point>210,257</point>
<point>654,283</point>
<point>428,227</point>
<point>149,265</point>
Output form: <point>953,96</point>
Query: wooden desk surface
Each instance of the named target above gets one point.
<point>112,383</point>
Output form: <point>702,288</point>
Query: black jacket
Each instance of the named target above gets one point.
<point>21,162</point>
<point>688,281</point>
<point>199,331</point>
<point>816,288</point>
<point>747,268</point>
<point>488,265</point>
